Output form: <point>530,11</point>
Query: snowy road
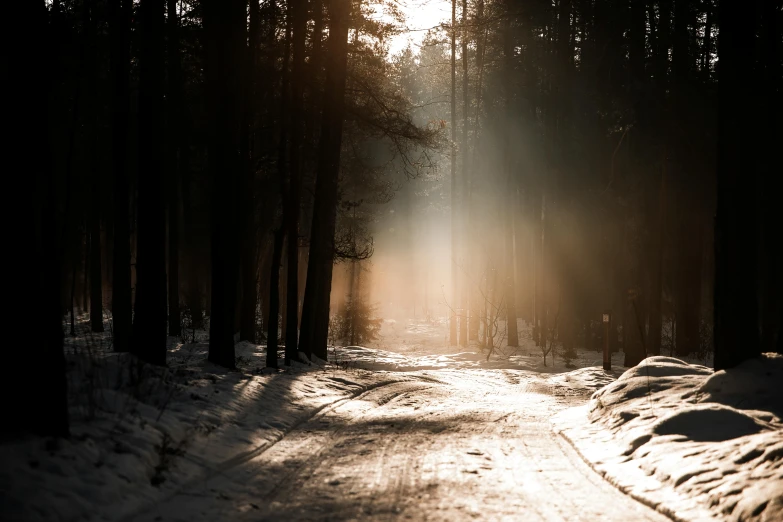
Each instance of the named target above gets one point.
<point>440,445</point>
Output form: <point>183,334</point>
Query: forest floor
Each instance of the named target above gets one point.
<point>416,431</point>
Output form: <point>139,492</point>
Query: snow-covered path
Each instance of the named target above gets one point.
<point>435,445</point>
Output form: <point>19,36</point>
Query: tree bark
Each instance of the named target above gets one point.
<point>36,264</point>
<point>226,34</point>
<point>292,207</point>
<point>315,310</point>
<point>689,262</point>
<point>274,301</point>
<point>772,287</point>
<point>174,163</point>
<point>94,205</point>
<point>656,259</point>
<point>96,278</point>
<point>149,328</point>
<point>247,330</point>
<point>736,332</point>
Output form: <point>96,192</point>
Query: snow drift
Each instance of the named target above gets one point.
<point>696,444</point>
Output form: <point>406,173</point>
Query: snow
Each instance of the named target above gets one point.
<point>415,346</point>
<point>692,443</point>
<point>695,444</point>
<point>135,441</point>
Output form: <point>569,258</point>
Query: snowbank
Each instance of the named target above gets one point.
<point>136,440</point>
<point>696,445</point>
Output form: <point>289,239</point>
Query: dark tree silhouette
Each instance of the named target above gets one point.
<point>274,301</point>
<point>38,247</point>
<point>736,305</point>
<point>315,310</point>
<point>149,326</point>
<point>121,309</point>
<point>174,161</point>
<point>225,34</point>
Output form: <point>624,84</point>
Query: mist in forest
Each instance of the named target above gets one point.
<point>574,177</point>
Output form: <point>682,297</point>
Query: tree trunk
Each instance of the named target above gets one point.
<point>264,290</point>
<point>508,233</point>
<point>687,288</point>
<point>292,207</point>
<point>226,34</point>
<point>284,122</point>
<point>284,292</point>
<point>476,304</point>
<point>772,287</point>
<point>174,163</point>
<point>36,263</point>
<point>353,298</point>
<point>149,328</point>
<point>85,293</point>
<point>315,310</point>
<point>521,257</point>
<point>247,329</point>
<point>464,303</point>
<point>510,287</point>
<point>688,293</point>
<point>96,279</point>
<point>274,301</point>
<point>453,325</point>
<point>542,263</point>
<point>536,251</point>
<point>94,210</point>
<point>660,69</point>
<point>736,331</point>
<point>314,82</point>
<point>656,270</point>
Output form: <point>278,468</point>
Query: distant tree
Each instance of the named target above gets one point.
<point>453,318</point>
<point>464,302</point>
<point>357,322</point>
<point>508,224</point>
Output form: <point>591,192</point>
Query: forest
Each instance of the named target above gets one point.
<point>300,174</point>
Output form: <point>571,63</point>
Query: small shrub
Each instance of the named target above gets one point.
<point>357,323</point>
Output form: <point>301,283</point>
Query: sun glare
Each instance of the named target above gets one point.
<point>420,17</point>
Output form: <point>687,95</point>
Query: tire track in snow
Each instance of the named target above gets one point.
<point>477,446</point>
<point>245,456</point>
